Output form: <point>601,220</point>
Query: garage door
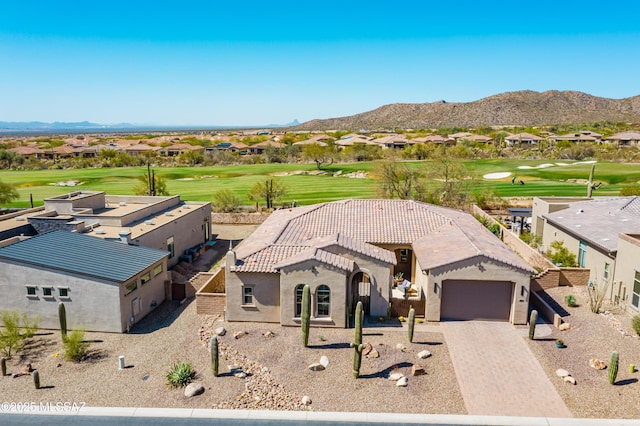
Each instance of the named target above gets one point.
<point>476,300</point>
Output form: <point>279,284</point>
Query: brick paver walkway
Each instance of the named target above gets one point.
<point>497,373</point>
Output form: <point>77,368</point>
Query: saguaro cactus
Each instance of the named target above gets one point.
<point>357,340</point>
<point>36,378</point>
<point>215,359</point>
<point>62,316</point>
<point>613,367</point>
<point>533,318</point>
<point>305,314</point>
<point>3,365</point>
<point>412,323</point>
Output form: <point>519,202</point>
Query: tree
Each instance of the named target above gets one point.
<point>151,184</point>
<point>397,179</point>
<point>630,190</point>
<point>560,255</point>
<point>270,190</point>
<point>16,329</point>
<point>451,183</point>
<point>225,201</point>
<point>7,193</point>
<point>321,155</point>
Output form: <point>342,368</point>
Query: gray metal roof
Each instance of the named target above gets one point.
<point>84,255</point>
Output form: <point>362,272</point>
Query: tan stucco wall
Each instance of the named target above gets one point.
<point>266,297</point>
<point>149,296</point>
<point>479,268</point>
<point>628,262</point>
<point>92,304</point>
<point>292,276</point>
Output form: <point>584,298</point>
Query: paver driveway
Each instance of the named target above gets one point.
<point>497,373</point>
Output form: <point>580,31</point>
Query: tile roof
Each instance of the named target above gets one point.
<point>314,253</point>
<point>358,225</point>
<point>82,254</point>
<point>600,220</point>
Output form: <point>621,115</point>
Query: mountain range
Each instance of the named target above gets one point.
<point>523,108</point>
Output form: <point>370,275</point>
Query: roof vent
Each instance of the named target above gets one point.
<point>580,211</point>
<point>168,214</point>
<point>100,231</point>
<point>148,222</point>
<point>186,207</point>
<point>20,218</point>
<point>122,204</point>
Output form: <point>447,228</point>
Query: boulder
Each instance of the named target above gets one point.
<point>598,364</point>
<point>424,354</point>
<point>234,367</point>
<point>396,376</point>
<point>324,361</point>
<point>238,334</point>
<point>220,331</point>
<point>268,333</point>
<point>367,349</point>
<point>373,354</point>
<point>306,400</point>
<point>240,374</point>
<point>564,326</point>
<point>316,366</point>
<point>402,382</point>
<point>193,389</point>
<point>569,379</point>
<point>561,372</point>
<point>401,347</point>
<point>417,370</point>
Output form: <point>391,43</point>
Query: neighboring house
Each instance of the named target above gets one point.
<point>350,250</point>
<point>602,232</point>
<point>522,139</point>
<point>238,147</point>
<point>311,142</point>
<point>459,135</point>
<point>28,151</point>
<point>624,139</point>
<point>437,139</point>
<point>477,139</point>
<point>583,136</point>
<point>105,285</point>
<point>175,150</point>
<point>392,141</point>
<point>260,147</point>
<point>137,149</point>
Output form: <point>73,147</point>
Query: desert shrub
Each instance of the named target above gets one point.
<point>531,239</point>
<point>635,323</point>
<point>75,348</point>
<point>561,256</point>
<point>570,300</point>
<point>16,330</point>
<point>630,190</point>
<point>180,375</point>
<point>225,201</point>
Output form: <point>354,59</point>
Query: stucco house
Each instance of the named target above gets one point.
<point>349,251</point>
<point>603,233</point>
<point>522,139</point>
<point>105,285</point>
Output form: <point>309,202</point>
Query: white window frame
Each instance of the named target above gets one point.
<point>605,274</point>
<point>48,289</point>
<point>318,302</point>
<point>63,289</point>
<point>247,291</point>
<point>35,290</point>
<point>297,303</point>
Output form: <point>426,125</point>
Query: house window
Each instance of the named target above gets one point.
<point>299,289</point>
<point>170,247</point>
<point>635,296</point>
<point>47,291</point>
<point>605,275</point>
<point>157,270</point>
<point>323,301</point>
<point>247,295</point>
<point>145,278</point>
<point>31,290</point>
<point>130,287</point>
<point>63,292</point>
<point>582,254</point>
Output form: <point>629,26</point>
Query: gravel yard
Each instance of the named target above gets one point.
<point>593,336</point>
<point>277,378</point>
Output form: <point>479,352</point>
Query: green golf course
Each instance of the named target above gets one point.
<point>305,186</point>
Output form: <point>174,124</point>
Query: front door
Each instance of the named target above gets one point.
<point>404,259</point>
<point>361,291</point>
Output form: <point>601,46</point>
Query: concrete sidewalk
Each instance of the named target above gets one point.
<point>497,373</point>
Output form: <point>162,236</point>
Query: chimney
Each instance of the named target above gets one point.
<point>125,236</point>
<point>231,260</point>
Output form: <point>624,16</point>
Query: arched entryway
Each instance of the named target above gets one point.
<point>360,291</point>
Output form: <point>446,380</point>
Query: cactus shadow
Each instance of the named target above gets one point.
<point>625,382</point>
<point>330,346</point>
<point>428,343</point>
<point>47,387</point>
<point>383,374</point>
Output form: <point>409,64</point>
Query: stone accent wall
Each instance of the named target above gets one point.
<point>574,276</point>
<point>211,298</point>
<point>239,218</point>
<point>210,304</point>
<point>550,278</point>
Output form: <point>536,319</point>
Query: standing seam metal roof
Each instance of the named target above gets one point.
<point>84,255</point>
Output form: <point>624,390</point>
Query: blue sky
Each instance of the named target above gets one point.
<point>251,63</point>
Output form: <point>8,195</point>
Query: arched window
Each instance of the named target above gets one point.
<point>299,289</point>
<point>323,301</point>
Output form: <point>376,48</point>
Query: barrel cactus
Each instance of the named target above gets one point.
<point>411,323</point>
<point>305,314</point>
<point>357,341</point>
<point>62,316</point>
<point>533,318</point>
<point>215,359</point>
<point>613,367</point>
<point>36,378</point>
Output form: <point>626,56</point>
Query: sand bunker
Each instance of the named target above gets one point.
<point>539,166</point>
<point>497,175</point>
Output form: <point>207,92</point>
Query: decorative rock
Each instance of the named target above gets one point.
<point>424,354</point>
<point>193,389</point>
<point>403,382</point>
<point>234,367</point>
<point>564,326</point>
<point>220,331</point>
<point>417,370</point>
<point>597,364</point>
<point>373,354</point>
<point>401,347</point>
<point>396,376</point>
<point>324,361</point>
<point>240,374</point>
<point>269,333</point>
<point>238,334</point>
<point>316,367</point>
<point>561,372</point>
<point>367,349</point>
<point>569,379</point>
<point>306,400</point>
